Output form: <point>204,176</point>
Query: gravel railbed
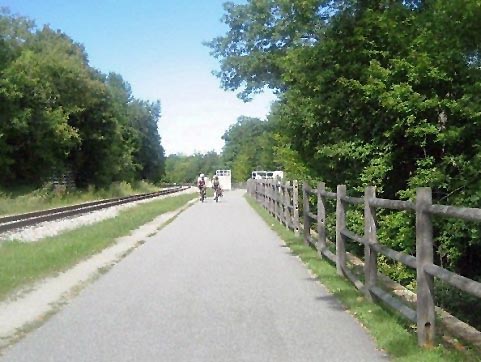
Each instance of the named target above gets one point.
<point>46,229</point>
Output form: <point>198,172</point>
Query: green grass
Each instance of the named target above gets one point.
<point>391,333</point>
<point>24,263</point>
<point>23,199</point>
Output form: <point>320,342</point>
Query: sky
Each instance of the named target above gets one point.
<point>156,45</point>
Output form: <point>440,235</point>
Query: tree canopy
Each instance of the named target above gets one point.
<point>371,92</point>
<point>59,114</point>
<point>249,145</point>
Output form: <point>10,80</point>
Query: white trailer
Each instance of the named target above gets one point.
<point>225,179</point>
<point>276,175</point>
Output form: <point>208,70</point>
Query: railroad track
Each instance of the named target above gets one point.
<point>28,219</point>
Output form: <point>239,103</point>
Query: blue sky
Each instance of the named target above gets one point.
<point>157,47</point>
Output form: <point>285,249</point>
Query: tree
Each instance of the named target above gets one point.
<point>248,144</point>
<point>371,92</point>
<point>36,129</point>
<point>59,114</point>
<point>260,34</point>
<point>150,153</point>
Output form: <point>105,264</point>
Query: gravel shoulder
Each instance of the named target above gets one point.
<point>42,230</point>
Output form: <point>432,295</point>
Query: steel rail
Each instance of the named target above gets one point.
<point>28,219</point>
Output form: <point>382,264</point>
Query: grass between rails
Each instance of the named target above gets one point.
<point>391,332</point>
<point>24,263</point>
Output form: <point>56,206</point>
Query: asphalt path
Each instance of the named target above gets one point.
<point>216,284</point>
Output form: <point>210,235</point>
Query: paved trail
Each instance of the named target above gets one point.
<point>214,285</point>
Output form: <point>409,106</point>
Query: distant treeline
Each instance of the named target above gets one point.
<point>181,168</point>
<point>249,144</point>
<point>58,114</point>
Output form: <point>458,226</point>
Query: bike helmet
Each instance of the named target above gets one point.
<point>201,175</point>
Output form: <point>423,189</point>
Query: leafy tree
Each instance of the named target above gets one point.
<point>59,114</point>
<point>248,146</point>
<point>371,92</point>
<point>36,126</point>
<point>150,153</point>
<point>260,34</point>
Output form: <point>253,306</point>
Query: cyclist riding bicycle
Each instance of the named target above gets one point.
<point>216,187</point>
<point>201,186</point>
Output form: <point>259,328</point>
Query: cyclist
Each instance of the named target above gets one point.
<point>201,186</point>
<point>216,187</point>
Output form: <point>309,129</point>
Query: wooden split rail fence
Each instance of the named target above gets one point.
<point>282,201</point>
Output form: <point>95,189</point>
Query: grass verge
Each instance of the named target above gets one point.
<point>24,263</point>
<point>391,332</point>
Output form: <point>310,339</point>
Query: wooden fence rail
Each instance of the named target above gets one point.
<point>282,201</point>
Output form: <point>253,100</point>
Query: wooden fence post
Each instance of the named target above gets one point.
<point>424,256</point>
<point>305,212</point>
<point>274,197</point>
<point>321,218</point>
<point>287,202</point>
<point>259,191</point>
<point>295,202</point>
<point>273,193</point>
<point>266,200</point>
<point>266,187</point>
<point>276,200</point>
<point>340,225</point>
<point>269,196</point>
<point>261,196</point>
<point>280,201</point>
<point>370,255</point>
